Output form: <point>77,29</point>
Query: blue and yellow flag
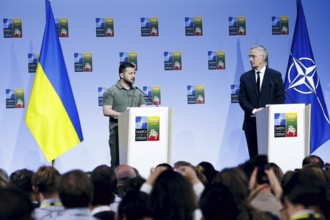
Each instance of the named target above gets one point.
<point>52,115</point>
<point>303,84</point>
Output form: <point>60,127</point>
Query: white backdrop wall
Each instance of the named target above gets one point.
<point>204,132</point>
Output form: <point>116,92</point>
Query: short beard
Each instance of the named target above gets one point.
<point>128,82</point>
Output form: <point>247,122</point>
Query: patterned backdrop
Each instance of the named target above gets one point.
<point>189,54</point>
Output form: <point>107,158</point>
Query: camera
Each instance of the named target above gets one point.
<point>261,162</point>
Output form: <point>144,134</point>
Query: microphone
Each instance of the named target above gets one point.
<point>132,98</point>
<point>271,91</point>
<point>287,94</point>
<point>152,101</point>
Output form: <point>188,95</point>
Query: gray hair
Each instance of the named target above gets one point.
<point>260,49</point>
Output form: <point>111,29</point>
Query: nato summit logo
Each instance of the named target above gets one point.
<point>285,124</point>
<point>149,27</point>
<point>101,91</point>
<point>280,25</point>
<point>147,128</point>
<point>105,27</point>
<point>62,27</point>
<point>152,95</point>
<point>196,94</point>
<point>14,98</point>
<point>234,93</point>
<point>130,57</point>
<point>237,25</point>
<point>83,62</point>
<point>12,28</point>
<point>33,62</point>
<point>216,60</point>
<point>193,26</point>
<point>172,60</point>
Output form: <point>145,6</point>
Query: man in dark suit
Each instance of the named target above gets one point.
<point>258,87</point>
<point>104,182</point>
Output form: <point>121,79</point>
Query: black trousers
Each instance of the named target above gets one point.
<point>114,145</point>
<point>252,142</point>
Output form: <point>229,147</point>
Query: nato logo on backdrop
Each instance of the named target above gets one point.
<point>149,27</point>
<point>193,26</point>
<point>15,98</point>
<point>101,91</point>
<point>12,28</point>
<point>83,62</point>
<point>152,95</point>
<point>195,94</point>
<point>216,60</point>
<point>33,62</point>
<point>130,57</point>
<point>237,25</point>
<point>105,27</point>
<point>172,60</point>
<point>280,25</point>
<point>234,93</point>
<point>62,27</point>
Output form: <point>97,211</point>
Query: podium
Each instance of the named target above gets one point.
<point>145,137</point>
<point>283,132</point>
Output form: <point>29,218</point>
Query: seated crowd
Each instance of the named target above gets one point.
<point>181,192</point>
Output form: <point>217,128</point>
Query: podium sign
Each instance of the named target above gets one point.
<point>145,137</point>
<point>283,134</point>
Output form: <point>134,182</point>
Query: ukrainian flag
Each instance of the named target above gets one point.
<point>52,115</point>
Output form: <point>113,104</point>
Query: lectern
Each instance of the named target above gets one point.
<point>145,137</point>
<point>283,132</point>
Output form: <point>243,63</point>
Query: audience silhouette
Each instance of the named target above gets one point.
<point>181,191</point>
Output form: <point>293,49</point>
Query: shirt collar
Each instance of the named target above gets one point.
<point>303,213</point>
<point>120,86</point>
<point>100,209</point>
<point>262,71</point>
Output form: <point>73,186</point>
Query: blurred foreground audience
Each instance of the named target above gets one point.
<point>250,191</point>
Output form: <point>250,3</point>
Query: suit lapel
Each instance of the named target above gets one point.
<point>265,81</point>
<point>252,79</point>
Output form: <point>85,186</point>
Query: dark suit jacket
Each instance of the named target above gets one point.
<point>272,92</point>
<point>105,215</point>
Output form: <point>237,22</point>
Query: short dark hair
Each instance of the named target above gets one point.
<point>166,165</point>
<point>313,159</point>
<point>15,204</point>
<point>104,182</point>
<point>75,189</point>
<point>218,202</point>
<point>305,187</point>
<point>125,65</point>
<point>135,205</point>
<point>22,179</point>
<point>45,180</point>
<point>172,196</point>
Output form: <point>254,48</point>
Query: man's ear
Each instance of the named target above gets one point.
<point>121,75</point>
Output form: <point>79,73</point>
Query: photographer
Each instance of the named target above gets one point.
<point>265,191</point>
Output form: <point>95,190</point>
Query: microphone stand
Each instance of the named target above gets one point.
<point>152,101</point>
<point>287,94</point>
<point>271,92</point>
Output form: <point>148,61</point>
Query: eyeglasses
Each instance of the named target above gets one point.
<point>253,56</point>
